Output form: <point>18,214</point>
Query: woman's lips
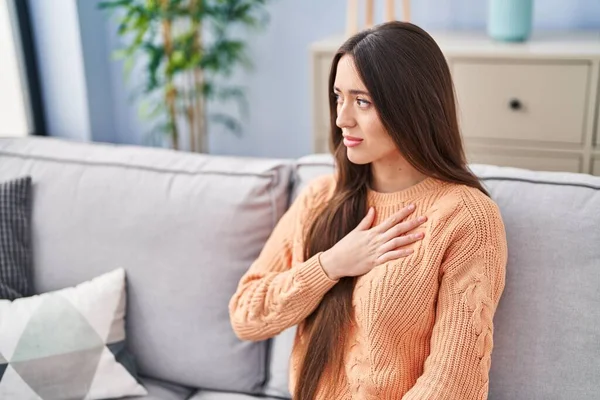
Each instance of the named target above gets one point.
<point>350,141</point>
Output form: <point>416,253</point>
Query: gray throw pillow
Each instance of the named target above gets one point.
<point>15,240</point>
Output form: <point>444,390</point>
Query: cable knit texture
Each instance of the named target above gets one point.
<point>423,325</point>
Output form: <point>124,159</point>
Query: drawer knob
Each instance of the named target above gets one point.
<point>515,104</point>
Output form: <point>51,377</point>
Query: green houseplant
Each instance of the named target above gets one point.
<point>186,49</point>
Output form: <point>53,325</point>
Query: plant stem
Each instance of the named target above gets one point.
<point>200,123</point>
<point>171,91</point>
<point>200,116</point>
<point>190,110</point>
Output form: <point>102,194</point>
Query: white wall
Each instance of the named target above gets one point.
<point>15,111</point>
<point>96,63</point>
<point>57,38</point>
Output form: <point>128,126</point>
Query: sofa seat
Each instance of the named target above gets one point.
<point>159,390</point>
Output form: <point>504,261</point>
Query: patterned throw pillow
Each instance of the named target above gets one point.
<point>67,344</point>
<point>15,241</point>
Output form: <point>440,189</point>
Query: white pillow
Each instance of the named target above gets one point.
<point>63,344</point>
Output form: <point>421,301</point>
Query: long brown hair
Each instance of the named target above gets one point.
<point>408,78</point>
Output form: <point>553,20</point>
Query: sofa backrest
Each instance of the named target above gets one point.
<point>547,325</point>
<point>184,226</point>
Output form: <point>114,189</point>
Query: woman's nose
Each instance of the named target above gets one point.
<point>344,117</point>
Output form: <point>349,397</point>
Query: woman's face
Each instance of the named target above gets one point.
<point>366,139</point>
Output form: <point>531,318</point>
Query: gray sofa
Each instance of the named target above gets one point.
<point>186,227</point>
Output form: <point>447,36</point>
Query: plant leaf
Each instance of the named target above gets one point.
<point>232,124</point>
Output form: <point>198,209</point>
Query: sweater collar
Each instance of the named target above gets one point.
<point>427,185</point>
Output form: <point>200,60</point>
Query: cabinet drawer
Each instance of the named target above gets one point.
<point>521,101</point>
<point>562,163</point>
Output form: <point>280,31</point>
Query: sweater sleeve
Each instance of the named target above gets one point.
<point>276,293</point>
<point>472,283</point>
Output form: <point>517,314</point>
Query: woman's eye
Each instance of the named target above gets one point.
<point>338,98</point>
<point>363,103</point>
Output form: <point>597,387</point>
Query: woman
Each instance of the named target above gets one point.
<point>383,314</point>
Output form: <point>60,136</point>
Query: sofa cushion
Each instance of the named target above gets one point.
<point>308,168</point>
<point>184,226</point>
<point>15,238</point>
<point>280,349</point>
<point>68,343</point>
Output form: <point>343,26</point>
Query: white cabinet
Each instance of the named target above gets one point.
<point>596,166</point>
<point>524,159</point>
<point>531,105</point>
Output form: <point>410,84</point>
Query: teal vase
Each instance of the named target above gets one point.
<point>510,20</point>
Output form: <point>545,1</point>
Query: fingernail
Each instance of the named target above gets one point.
<point>422,219</point>
<point>411,207</point>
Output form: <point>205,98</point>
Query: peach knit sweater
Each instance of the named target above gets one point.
<point>422,325</point>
